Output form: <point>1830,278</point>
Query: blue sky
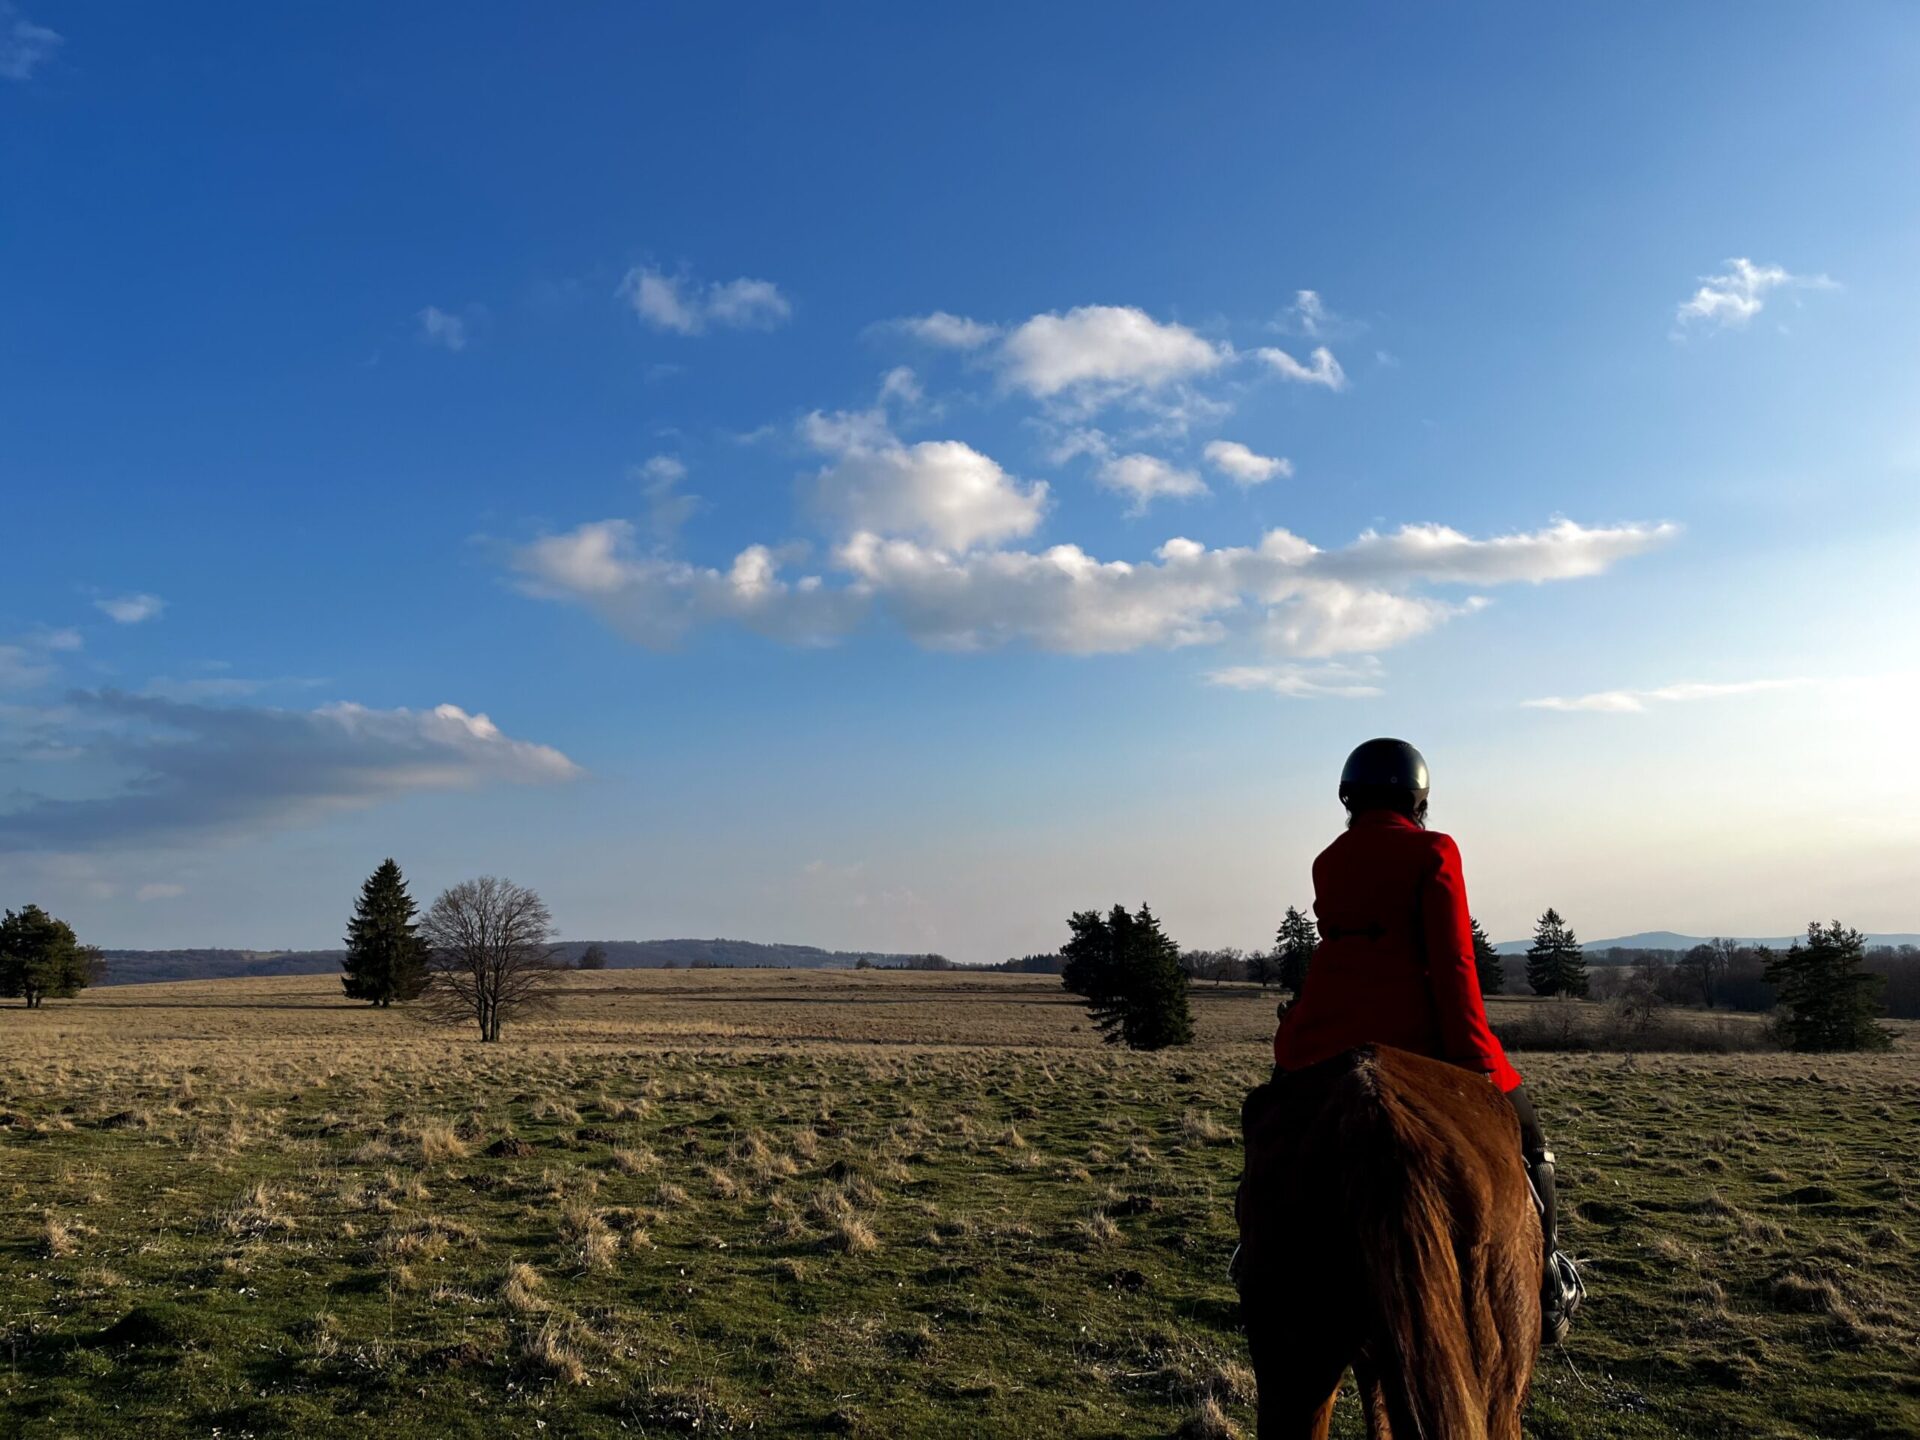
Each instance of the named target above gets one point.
<point>888,479</point>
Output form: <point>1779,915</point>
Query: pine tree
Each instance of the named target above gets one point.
<point>1493,974</point>
<point>1555,965</point>
<point>1826,1001</point>
<point>1295,943</point>
<point>386,961</point>
<point>1128,971</point>
<point>594,957</point>
<point>40,958</point>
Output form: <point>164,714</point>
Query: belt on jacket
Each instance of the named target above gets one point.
<point>1352,932</point>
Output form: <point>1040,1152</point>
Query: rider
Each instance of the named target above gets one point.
<point>1395,965</point>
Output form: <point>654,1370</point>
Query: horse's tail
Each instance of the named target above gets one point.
<point>1396,1170</point>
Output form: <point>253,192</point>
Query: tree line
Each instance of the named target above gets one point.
<point>1134,978</point>
<point>484,950</point>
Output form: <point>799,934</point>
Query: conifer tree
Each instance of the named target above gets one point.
<point>1295,943</point>
<point>1555,964</point>
<point>594,957</point>
<point>1128,971</point>
<point>386,960</point>
<point>1826,1001</point>
<point>1493,974</point>
<point>40,957</point>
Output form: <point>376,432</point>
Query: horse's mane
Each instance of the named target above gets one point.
<point>1396,1181</point>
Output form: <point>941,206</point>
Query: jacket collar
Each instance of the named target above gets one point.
<point>1386,819</point>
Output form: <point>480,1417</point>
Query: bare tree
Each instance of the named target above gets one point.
<point>489,952</point>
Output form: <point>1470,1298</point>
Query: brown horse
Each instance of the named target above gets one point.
<point>1386,1225</point>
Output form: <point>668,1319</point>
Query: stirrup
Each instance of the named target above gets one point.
<point>1566,1290</point>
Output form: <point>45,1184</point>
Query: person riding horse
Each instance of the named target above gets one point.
<point>1395,966</point>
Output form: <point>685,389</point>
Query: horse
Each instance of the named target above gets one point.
<point>1387,1226</point>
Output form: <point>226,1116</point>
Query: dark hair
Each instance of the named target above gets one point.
<point>1362,798</point>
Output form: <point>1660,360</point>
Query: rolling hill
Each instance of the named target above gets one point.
<point>139,967</point>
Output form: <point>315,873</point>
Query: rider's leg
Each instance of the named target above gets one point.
<point>1561,1289</point>
<point>1533,1149</point>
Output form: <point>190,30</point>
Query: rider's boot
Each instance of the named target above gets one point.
<point>1561,1288</point>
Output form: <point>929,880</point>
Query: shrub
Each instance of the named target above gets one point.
<point>1567,1025</point>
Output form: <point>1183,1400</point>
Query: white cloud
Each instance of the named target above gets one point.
<point>1079,361</point>
<point>1308,315</point>
<point>1563,551</point>
<point>1079,441</point>
<point>656,299</point>
<point>66,638</point>
<point>198,770</point>
<point>24,46</point>
<point>834,431</point>
<point>748,305</point>
<point>1244,466</point>
<point>1059,599</point>
<point>900,386</point>
<point>1305,601</point>
<point>1342,681</point>
<point>159,890</point>
<point>668,508</point>
<point>1325,370</point>
<point>941,491</point>
<point>130,609</point>
<point>20,670</point>
<point>686,306</point>
<point>1146,478</point>
<point>1731,300</point>
<point>1101,352</point>
<point>655,601</point>
<point>949,332</point>
<point>1634,702</point>
<point>438,327</point>
<point>1331,617</point>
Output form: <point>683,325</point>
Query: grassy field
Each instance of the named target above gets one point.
<point>780,1203</point>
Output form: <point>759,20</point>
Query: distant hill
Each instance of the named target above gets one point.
<point>1669,940</point>
<point>139,967</point>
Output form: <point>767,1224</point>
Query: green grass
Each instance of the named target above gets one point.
<point>802,1239</point>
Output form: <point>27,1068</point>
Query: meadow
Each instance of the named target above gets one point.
<point>860,1203</point>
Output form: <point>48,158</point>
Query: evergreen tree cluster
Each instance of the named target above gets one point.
<point>386,960</point>
<point>1826,1001</point>
<point>1293,948</point>
<point>41,958</point>
<point>1128,971</point>
<point>1555,964</point>
<point>1493,975</point>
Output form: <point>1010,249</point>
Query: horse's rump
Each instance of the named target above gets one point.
<point>1386,1223</point>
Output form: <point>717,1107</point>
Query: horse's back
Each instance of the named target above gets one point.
<point>1386,1189</point>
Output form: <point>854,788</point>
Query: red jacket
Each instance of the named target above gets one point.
<point>1395,961</point>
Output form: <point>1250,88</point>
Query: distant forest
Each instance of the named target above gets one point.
<point>139,967</point>
<point>1741,987</point>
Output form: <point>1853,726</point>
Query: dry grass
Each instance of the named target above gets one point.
<point>520,1288</point>
<point>439,1143</point>
<point>786,1203</point>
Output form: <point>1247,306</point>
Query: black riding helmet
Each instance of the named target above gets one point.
<point>1384,765</point>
